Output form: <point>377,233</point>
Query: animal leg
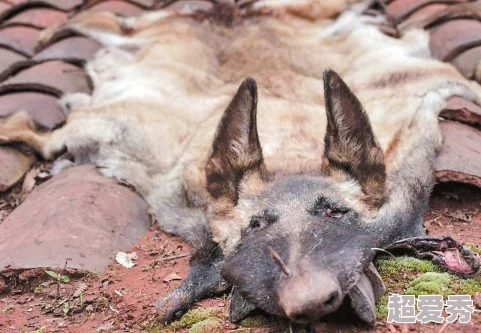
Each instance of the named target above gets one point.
<point>20,128</point>
<point>444,251</point>
<point>204,280</point>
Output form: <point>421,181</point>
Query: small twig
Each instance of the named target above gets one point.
<point>56,306</point>
<point>278,260</point>
<point>444,326</point>
<point>175,257</point>
<point>58,278</point>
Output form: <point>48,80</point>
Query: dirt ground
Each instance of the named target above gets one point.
<point>121,300</point>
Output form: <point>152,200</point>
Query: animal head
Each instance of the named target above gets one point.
<point>304,243</point>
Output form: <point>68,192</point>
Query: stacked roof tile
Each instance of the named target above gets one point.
<point>455,31</point>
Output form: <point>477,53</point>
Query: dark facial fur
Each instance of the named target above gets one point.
<point>289,262</point>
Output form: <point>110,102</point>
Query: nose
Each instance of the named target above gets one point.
<point>308,296</point>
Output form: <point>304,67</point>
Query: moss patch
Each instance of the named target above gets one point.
<point>254,322</point>
<point>210,325</point>
<point>188,320</point>
<point>410,276</point>
<point>430,283</point>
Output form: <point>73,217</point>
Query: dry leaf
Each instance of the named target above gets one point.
<point>126,259</point>
<point>172,277</point>
<point>80,289</point>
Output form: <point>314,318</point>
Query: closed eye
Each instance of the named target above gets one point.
<point>263,219</point>
<point>325,207</point>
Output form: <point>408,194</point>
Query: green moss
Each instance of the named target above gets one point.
<point>381,308</point>
<point>253,322</point>
<point>392,267</point>
<point>431,283</point>
<point>473,247</point>
<point>443,284</point>
<point>210,325</point>
<point>410,276</point>
<point>188,320</point>
<point>466,287</point>
<point>195,316</point>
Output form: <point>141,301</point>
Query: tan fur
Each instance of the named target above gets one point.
<point>152,116</point>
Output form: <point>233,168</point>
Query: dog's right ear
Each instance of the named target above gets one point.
<point>236,151</point>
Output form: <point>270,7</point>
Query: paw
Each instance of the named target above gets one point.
<point>443,251</point>
<point>172,306</point>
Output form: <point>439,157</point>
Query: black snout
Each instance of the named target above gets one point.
<point>307,296</point>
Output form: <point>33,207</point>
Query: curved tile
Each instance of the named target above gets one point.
<point>462,110</point>
<point>460,157</point>
<point>80,48</point>
<point>58,74</point>
<point>453,37</point>
<point>66,5</point>
<point>117,7</point>
<point>468,61</point>
<point>8,58</point>
<point>433,15</point>
<point>3,7</point>
<point>20,38</point>
<point>400,9</point>
<point>38,17</point>
<point>427,11</point>
<point>145,3</point>
<point>44,108</point>
<point>180,5</point>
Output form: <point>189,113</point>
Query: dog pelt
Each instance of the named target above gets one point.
<point>286,148</point>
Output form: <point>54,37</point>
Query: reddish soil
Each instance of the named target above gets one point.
<point>122,299</point>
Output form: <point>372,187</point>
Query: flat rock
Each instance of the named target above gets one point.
<point>13,165</point>
<point>460,157</point>
<point>78,214</point>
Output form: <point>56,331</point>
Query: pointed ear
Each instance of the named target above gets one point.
<point>236,151</point>
<point>350,145</point>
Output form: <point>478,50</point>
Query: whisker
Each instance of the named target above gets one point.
<point>382,250</point>
<point>279,262</point>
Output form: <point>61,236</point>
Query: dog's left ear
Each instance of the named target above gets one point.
<point>236,151</point>
<point>350,145</point>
